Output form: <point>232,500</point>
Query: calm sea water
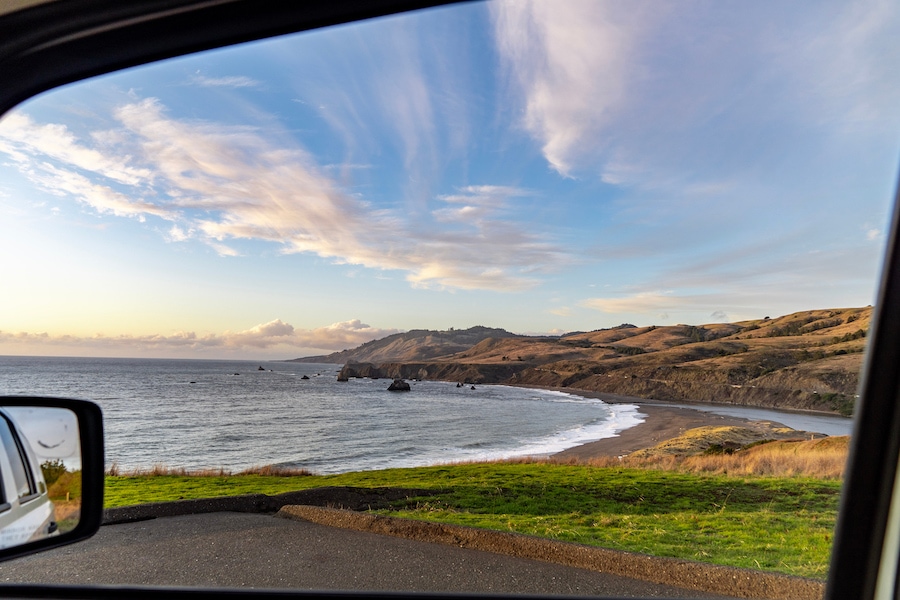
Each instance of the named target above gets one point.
<point>230,414</point>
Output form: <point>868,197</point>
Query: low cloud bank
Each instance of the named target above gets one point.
<point>275,338</point>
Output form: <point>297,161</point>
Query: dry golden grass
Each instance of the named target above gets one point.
<point>159,470</point>
<point>823,458</point>
<point>67,511</point>
<point>277,471</point>
<point>699,439</point>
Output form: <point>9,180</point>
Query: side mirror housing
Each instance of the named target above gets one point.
<point>51,473</point>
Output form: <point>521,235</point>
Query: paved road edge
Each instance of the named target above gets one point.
<point>729,581</point>
<point>316,505</point>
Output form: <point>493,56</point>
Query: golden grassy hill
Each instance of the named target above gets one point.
<point>741,451</point>
<point>805,360</point>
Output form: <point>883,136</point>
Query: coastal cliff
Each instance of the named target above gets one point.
<point>437,371</point>
<point>808,360</point>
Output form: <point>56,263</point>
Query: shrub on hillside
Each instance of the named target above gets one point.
<point>68,486</point>
<point>52,470</point>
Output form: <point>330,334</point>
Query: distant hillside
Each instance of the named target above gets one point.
<point>806,360</point>
<point>415,345</point>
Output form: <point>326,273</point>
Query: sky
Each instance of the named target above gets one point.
<point>538,166</point>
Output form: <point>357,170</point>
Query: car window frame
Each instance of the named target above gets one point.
<point>52,44</point>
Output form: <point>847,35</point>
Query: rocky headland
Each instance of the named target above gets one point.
<point>808,360</point>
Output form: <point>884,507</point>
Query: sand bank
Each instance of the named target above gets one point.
<point>662,423</point>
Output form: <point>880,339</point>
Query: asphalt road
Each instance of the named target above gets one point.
<point>242,550</point>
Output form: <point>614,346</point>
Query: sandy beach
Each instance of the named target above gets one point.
<point>662,423</point>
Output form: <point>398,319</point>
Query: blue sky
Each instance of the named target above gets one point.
<point>538,166</point>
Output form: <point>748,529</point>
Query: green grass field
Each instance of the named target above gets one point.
<point>773,524</point>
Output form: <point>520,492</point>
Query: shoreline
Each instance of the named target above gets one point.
<point>662,422</point>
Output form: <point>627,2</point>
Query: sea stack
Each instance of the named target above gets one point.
<point>399,386</point>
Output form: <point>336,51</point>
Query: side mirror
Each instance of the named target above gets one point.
<point>51,473</point>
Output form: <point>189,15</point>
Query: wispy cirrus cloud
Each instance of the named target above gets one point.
<point>230,81</point>
<point>648,307</point>
<point>223,185</point>
<point>709,121</point>
<point>22,139</point>
<point>741,284</point>
<point>643,302</point>
<point>102,198</point>
<point>401,91</point>
<point>472,204</point>
<point>570,62</point>
<point>275,335</point>
<point>602,93</point>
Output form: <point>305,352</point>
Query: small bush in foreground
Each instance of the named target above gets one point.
<point>66,487</point>
<point>52,470</point>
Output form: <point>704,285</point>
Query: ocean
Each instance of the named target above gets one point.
<point>234,415</point>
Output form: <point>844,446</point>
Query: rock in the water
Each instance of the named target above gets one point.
<point>399,386</point>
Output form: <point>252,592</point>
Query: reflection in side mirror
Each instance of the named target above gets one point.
<point>51,473</point>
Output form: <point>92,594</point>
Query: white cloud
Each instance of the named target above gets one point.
<point>177,234</point>
<point>23,139</point>
<point>101,198</point>
<point>222,185</point>
<point>742,284</point>
<point>271,333</point>
<point>706,98</point>
<point>570,62</point>
<point>650,307</point>
<point>233,81</point>
<point>484,194</point>
<point>713,120</point>
<point>476,202</point>
<point>346,334</point>
<point>275,335</point>
<point>641,303</point>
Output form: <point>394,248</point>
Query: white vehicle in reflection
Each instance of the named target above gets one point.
<point>26,512</point>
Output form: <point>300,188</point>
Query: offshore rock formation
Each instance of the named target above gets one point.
<point>399,386</point>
